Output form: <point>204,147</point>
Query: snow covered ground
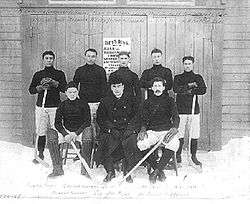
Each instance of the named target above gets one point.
<point>226,174</point>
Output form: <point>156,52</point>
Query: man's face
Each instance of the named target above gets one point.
<point>48,60</point>
<point>188,65</point>
<point>117,89</point>
<point>123,60</point>
<point>158,88</point>
<point>90,57</point>
<point>72,93</point>
<point>156,58</point>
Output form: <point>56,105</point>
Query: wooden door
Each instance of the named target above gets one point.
<point>70,35</point>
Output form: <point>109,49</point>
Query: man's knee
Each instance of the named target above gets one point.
<point>52,135</point>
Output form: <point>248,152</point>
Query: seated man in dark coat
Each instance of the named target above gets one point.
<point>117,118</point>
<point>159,119</point>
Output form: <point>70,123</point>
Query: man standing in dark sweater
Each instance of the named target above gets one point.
<point>93,86</point>
<point>159,119</point>
<point>156,71</point>
<point>186,85</point>
<point>130,79</point>
<point>54,81</point>
<point>117,118</point>
<point>72,122</point>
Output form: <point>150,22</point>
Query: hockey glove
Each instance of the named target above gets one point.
<point>170,135</point>
<point>70,137</point>
<point>142,134</point>
<point>54,83</point>
<point>192,85</point>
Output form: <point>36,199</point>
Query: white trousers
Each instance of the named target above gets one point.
<point>45,118</point>
<point>192,123</point>
<point>154,137</point>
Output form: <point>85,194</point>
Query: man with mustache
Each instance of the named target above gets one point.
<point>159,119</point>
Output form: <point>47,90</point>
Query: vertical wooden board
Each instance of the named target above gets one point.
<point>59,43</point>
<point>144,62</point>
<point>35,58</point>
<point>171,44</point>
<point>188,38</point>
<point>28,102</point>
<point>206,101</point>
<point>217,86</point>
<point>96,36</point>
<point>77,41</point>
<point>136,43</point>
<point>51,32</point>
<point>180,43</point>
<point>151,36</point>
<point>160,30</point>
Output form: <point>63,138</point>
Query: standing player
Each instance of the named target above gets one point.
<point>130,79</point>
<point>156,71</point>
<point>186,85</point>
<point>54,81</point>
<point>93,86</point>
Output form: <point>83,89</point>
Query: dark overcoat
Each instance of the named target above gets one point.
<point>119,125</point>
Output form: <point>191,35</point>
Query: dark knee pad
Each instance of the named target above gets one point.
<point>167,154</point>
<point>52,135</point>
<point>54,148</point>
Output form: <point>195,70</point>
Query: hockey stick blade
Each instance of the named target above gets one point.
<point>142,160</point>
<point>84,163</point>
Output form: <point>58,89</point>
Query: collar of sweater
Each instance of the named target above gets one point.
<point>157,66</point>
<point>191,73</point>
<point>123,68</point>
<point>49,69</point>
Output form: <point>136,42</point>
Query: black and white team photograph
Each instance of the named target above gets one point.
<point>119,100</point>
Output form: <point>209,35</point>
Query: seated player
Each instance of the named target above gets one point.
<point>72,121</point>
<point>117,118</point>
<point>159,119</point>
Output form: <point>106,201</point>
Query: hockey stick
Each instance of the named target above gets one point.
<point>93,145</point>
<point>190,162</point>
<point>36,157</point>
<point>143,159</point>
<point>84,163</point>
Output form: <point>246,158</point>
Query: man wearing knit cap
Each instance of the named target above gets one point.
<point>118,120</point>
<point>72,122</point>
<point>156,71</point>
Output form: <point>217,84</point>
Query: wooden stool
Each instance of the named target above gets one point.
<point>65,155</point>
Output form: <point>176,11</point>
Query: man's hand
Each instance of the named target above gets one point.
<point>45,80</point>
<point>70,137</point>
<point>54,83</point>
<point>142,135</point>
<point>192,85</point>
<point>171,133</point>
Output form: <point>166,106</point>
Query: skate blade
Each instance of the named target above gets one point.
<point>39,160</point>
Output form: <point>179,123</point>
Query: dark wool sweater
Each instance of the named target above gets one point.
<point>93,82</point>
<point>131,81</point>
<point>159,113</point>
<point>73,116</point>
<point>53,94</point>
<point>184,98</point>
<point>156,71</point>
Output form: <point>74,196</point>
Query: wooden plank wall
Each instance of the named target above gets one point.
<point>10,73</point>
<point>70,35</point>
<point>236,71</point>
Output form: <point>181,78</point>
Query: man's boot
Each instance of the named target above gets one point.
<point>194,145</point>
<point>40,147</point>
<point>167,154</point>
<point>54,151</point>
<point>110,176</point>
<point>178,153</point>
